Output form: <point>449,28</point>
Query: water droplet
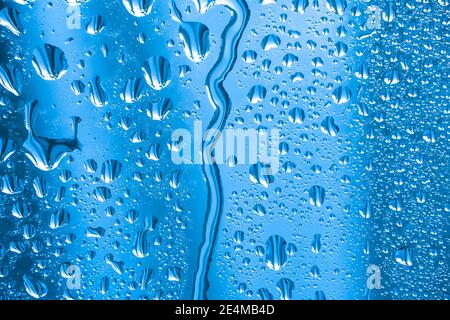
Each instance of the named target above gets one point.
<point>101,194</point>
<point>111,170</point>
<point>337,6</point>
<point>285,287</point>
<point>11,184</point>
<point>329,127</point>
<point>11,79</point>
<point>316,196</point>
<point>342,95</point>
<point>92,232</point>
<point>157,72</point>
<point>174,274</point>
<point>249,56</point>
<point>49,62</point>
<point>195,40</point>
<point>139,8</point>
<point>296,115</point>
<point>7,148</point>
<point>97,93</point>
<point>141,245</point>
<point>276,252</point>
<point>270,42</point>
<point>9,18</point>
<point>405,256</point>
<point>59,219</point>
<point>261,174</point>
<point>40,187</point>
<point>256,94</point>
<point>316,244</point>
<point>46,153</point>
<point>299,5</point>
<point>132,91</point>
<point>95,25</point>
<point>159,109</point>
<point>34,287</point>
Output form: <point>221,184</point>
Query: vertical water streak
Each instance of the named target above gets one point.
<point>221,103</point>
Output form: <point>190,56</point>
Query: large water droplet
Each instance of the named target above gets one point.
<point>316,196</point>
<point>342,95</point>
<point>46,153</point>
<point>111,170</point>
<point>7,148</point>
<point>256,94</point>
<point>329,127</point>
<point>139,8</point>
<point>49,62</point>
<point>270,42</point>
<point>159,109</point>
<point>141,245</point>
<point>34,287</point>
<point>337,6</point>
<point>59,219</point>
<point>285,287</point>
<point>9,18</point>
<point>157,72</point>
<point>195,40</point>
<point>132,90</point>
<point>299,5</point>
<point>261,174</point>
<point>276,252</point>
<point>405,256</point>
<point>97,93</point>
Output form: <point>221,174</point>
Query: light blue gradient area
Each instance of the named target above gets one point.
<point>390,155</point>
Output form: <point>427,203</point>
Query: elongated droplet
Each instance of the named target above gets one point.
<point>276,252</point>
<point>40,187</point>
<point>316,196</point>
<point>46,153</point>
<point>405,256</point>
<point>7,148</point>
<point>97,93</point>
<point>299,5</point>
<point>285,287</point>
<point>141,244</point>
<point>145,278</point>
<point>11,79</point>
<point>316,244</point>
